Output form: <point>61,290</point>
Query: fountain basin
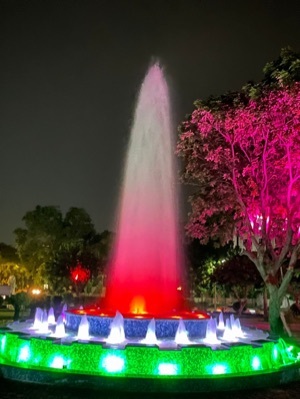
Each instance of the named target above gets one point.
<point>136,327</point>
<point>136,366</point>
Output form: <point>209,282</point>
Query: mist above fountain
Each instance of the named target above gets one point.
<point>145,272</point>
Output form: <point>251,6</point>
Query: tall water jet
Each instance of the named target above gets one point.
<point>145,273</point>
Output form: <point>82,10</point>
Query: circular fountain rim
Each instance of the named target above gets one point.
<point>102,378</point>
<point>186,315</point>
<point>136,325</point>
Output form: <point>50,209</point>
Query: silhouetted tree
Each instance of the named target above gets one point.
<point>239,276</point>
<point>51,245</point>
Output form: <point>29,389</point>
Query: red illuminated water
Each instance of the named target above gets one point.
<point>175,315</point>
<point>145,273</point>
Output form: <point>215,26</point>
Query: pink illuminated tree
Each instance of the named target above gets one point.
<point>242,154</point>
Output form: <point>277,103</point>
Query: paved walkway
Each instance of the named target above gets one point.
<point>261,324</point>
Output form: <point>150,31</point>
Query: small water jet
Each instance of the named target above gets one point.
<point>228,333</point>
<point>181,337</point>
<point>221,324</point>
<point>51,317</point>
<point>44,326</point>
<point>38,319</point>
<point>60,330</point>
<point>64,311</point>
<point>237,329</point>
<point>211,333</point>
<point>151,338</point>
<point>83,329</point>
<point>117,334</point>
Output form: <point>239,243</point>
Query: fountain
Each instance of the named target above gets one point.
<point>145,273</point>
<point>143,336</point>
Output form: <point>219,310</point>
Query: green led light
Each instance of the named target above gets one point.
<point>167,369</point>
<point>113,363</point>
<point>275,353</point>
<point>217,369</point>
<point>24,354</point>
<point>256,363</point>
<point>142,361</point>
<point>3,342</point>
<point>57,362</point>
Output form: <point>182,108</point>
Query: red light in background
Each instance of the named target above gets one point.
<point>80,273</point>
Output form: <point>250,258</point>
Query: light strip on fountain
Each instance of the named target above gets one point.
<point>275,353</point>
<point>218,369</point>
<point>113,363</point>
<point>256,363</point>
<point>167,369</point>
<point>142,361</point>
<point>25,353</point>
<point>58,362</point>
<point>3,342</point>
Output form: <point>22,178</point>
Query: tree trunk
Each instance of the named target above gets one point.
<point>17,312</point>
<point>276,325</point>
<point>265,304</point>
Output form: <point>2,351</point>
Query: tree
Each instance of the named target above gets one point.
<point>51,245</point>
<point>81,244</point>
<point>77,227</point>
<point>60,270</point>
<point>242,153</point>
<point>10,264</point>
<point>202,261</point>
<point>38,242</point>
<point>239,276</point>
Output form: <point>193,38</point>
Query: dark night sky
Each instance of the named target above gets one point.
<point>70,71</point>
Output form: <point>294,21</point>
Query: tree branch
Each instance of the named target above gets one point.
<point>290,271</point>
